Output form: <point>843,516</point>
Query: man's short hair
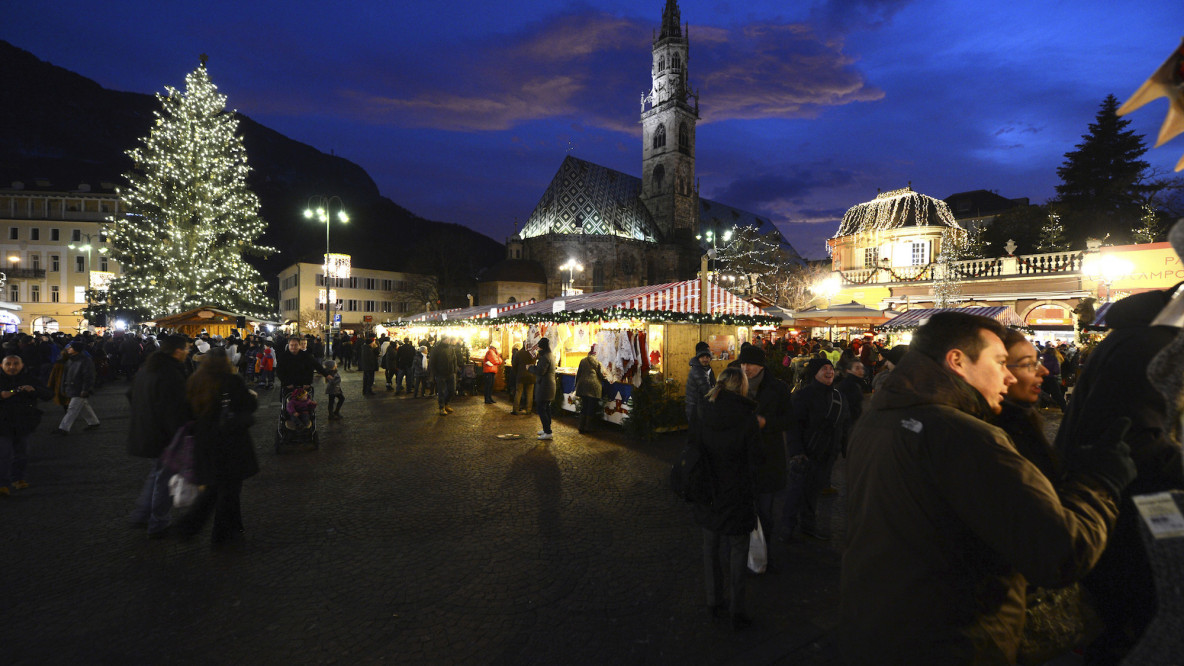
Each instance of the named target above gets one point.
<point>954,330</point>
<point>1012,337</point>
<point>171,343</point>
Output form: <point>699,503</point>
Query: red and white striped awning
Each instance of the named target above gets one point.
<point>669,297</point>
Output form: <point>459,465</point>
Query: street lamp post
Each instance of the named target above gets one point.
<point>571,266</point>
<point>321,207</point>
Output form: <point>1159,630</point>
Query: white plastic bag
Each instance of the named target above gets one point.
<point>184,492</point>
<point>758,553</point>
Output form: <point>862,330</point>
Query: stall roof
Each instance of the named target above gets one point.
<point>682,297</point>
<point>1005,315</point>
<point>844,314</point>
<point>214,315</point>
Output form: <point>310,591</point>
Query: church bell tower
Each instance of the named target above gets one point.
<point>669,112</point>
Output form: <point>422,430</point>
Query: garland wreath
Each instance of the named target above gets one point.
<point>899,278</point>
<point>606,315</point>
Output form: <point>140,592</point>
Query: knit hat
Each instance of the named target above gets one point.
<point>701,349</point>
<point>895,354</point>
<point>752,355</point>
<point>814,365</point>
<point>202,346</point>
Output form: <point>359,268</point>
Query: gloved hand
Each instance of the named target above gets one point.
<point>1106,459</point>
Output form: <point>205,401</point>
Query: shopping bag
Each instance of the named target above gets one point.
<point>182,491</point>
<point>758,553</point>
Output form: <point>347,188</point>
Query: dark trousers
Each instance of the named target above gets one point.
<point>589,405</point>
<point>401,374</point>
<point>14,457</point>
<point>544,408</point>
<point>735,551</point>
<point>222,500</point>
<point>489,378</point>
<point>1052,386</point>
<point>389,374</point>
<point>337,400</point>
<point>367,381</point>
<point>445,387</point>
<point>421,385</point>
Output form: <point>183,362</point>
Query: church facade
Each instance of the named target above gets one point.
<point>626,231</point>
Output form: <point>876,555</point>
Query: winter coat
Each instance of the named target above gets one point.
<point>521,363</point>
<point>158,405</point>
<point>731,441</point>
<point>80,375</point>
<point>817,419</point>
<point>700,379</point>
<point>946,520</point>
<point>224,450</point>
<point>442,360</point>
<point>404,356</point>
<point>333,383</point>
<point>1051,362</point>
<point>774,403</point>
<point>1024,425</point>
<point>19,414</point>
<point>130,351</point>
<point>1114,383</point>
<point>544,372</point>
<point>493,361</point>
<point>589,376</point>
<point>56,374</point>
<point>369,358</point>
<point>418,367</point>
<point>296,369</point>
<point>851,388</point>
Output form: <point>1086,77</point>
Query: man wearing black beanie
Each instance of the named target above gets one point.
<point>773,409</point>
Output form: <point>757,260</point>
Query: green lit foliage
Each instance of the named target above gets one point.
<point>1052,235</point>
<point>190,216</point>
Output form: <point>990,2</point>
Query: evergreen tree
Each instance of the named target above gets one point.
<point>1101,181</point>
<point>1052,235</point>
<point>191,217</point>
<point>977,245</point>
<point>1150,229</point>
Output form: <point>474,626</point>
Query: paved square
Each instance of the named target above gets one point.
<point>408,537</point>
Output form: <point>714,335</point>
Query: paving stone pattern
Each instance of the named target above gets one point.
<point>407,538</point>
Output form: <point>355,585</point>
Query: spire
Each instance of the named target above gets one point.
<point>671,21</point>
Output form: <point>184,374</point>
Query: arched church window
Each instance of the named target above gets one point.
<point>684,138</point>
<point>662,64</point>
<point>660,136</point>
<point>659,176</point>
<point>675,62</point>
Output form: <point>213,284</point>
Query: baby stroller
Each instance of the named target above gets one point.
<point>468,379</point>
<point>291,434</point>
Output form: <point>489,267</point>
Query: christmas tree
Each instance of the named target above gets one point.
<point>946,283</point>
<point>1052,235</point>
<point>190,216</point>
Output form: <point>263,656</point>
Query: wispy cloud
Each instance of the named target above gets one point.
<point>595,66</point>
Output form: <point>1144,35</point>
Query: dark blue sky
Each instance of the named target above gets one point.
<point>462,111</point>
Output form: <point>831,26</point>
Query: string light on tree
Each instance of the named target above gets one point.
<point>191,216</point>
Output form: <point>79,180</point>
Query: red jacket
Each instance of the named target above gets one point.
<point>492,361</point>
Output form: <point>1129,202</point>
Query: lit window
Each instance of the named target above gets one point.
<point>871,256</point>
<point>79,294</point>
<point>920,253</point>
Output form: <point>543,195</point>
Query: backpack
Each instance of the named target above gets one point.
<point>691,476</point>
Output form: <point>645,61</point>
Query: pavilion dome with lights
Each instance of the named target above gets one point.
<point>899,229</point>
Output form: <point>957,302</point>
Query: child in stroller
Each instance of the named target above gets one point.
<point>300,409</point>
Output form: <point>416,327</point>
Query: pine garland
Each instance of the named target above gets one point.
<point>605,316</point>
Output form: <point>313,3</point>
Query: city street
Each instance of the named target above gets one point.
<point>408,537</point>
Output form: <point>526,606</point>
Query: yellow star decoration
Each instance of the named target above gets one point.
<point>1167,81</point>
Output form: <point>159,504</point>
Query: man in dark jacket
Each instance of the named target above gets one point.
<point>295,366</point>
<point>19,392</point>
<point>130,351</point>
<point>700,379</point>
<point>368,364</point>
<point>1115,384</point>
<point>772,415</point>
<point>77,384</point>
<point>817,421</point>
<point>948,523</point>
<point>524,397</point>
<point>158,410</point>
<point>442,368</point>
<point>404,358</point>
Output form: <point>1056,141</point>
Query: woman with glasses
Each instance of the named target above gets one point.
<point>1020,418</point>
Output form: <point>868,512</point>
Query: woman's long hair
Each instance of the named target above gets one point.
<point>204,388</point>
<point>731,379</point>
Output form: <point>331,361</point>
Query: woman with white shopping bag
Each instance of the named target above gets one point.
<point>730,439</point>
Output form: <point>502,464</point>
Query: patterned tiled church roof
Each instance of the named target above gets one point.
<point>586,198</point>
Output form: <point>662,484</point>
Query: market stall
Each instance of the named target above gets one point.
<point>639,332</point>
<point>211,320</point>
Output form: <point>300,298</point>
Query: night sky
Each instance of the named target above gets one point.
<point>463,111</point>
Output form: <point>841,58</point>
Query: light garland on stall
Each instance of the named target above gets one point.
<point>605,316</point>
<point>191,216</point>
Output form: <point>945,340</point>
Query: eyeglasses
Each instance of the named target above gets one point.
<point>1029,366</point>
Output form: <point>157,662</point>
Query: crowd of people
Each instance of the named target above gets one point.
<point>965,526</point>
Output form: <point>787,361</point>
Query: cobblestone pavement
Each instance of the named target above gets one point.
<point>409,538</point>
